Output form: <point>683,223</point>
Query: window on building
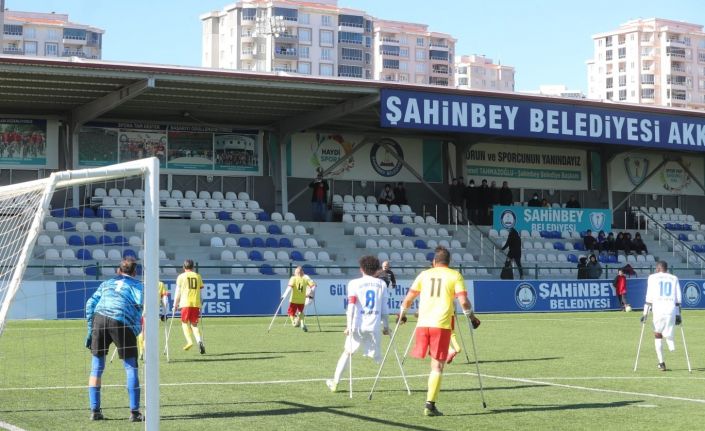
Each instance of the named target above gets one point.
<point>609,95</point>
<point>326,38</point>
<point>326,69</point>
<point>30,33</point>
<point>51,49</point>
<point>608,82</point>
<point>608,55</point>
<point>249,14</point>
<point>420,67</point>
<point>305,35</point>
<point>390,64</point>
<point>286,13</point>
<point>403,40</point>
<point>349,71</point>
<point>420,54</point>
<point>351,21</point>
<point>351,54</point>
<point>305,18</point>
<point>403,66</point>
<point>13,30</point>
<point>349,37</point>
<point>53,34</point>
<point>304,67</point>
<point>303,52</point>
<point>622,80</point>
<point>74,34</point>
<point>403,52</point>
<point>701,56</point>
<point>622,94</point>
<point>326,54</point>
<point>622,52</point>
<point>420,41</point>
<point>30,48</point>
<point>368,42</point>
<point>326,20</point>
<point>462,81</point>
<point>403,77</point>
<point>647,78</point>
<point>368,58</point>
<point>608,41</point>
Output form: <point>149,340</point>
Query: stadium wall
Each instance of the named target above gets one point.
<point>260,297</point>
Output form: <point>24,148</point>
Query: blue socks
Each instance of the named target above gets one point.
<point>133,383</point>
<point>97,368</point>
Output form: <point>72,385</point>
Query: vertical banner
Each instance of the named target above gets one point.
<point>551,219</point>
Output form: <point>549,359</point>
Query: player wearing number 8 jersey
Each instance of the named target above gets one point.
<point>437,289</point>
<point>188,299</point>
<point>366,315</point>
<point>663,296</point>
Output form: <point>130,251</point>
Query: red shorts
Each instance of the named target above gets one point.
<point>190,315</point>
<point>294,308</point>
<point>434,341</point>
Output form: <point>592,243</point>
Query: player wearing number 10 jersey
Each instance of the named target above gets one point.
<point>366,315</point>
<point>188,298</point>
<point>663,296</point>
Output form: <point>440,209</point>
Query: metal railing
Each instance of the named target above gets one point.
<point>650,222</point>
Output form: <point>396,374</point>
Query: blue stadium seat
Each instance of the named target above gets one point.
<point>88,212</point>
<point>59,212</point>
<point>75,240</point>
<point>224,215</point>
<point>234,229</point>
<point>102,213</point>
<point>572,258</point>
<point>285,242</point>
<point>274,229</point>
<point>266,269</point>
<point>67,226</point>
<point>419,243</point>
<point>84,254</point>
<point>430,256</point>
<point>73,212</point>
<point>128,252</point>
<point>120,240</point>
<point>407,231</point>
<point>558,246</point>
<point>105,240</point>
<point>91,270</point>
<point>682,237</point>
<point>90,240</point>
<point>111,227</point>
<point>243,241</point>
<point>255,255</point>
<point>612,258</point>
<point>296,256</point>
<point>686,226</point>
<point>271,243</point>
<point>138,269</point>
<point>263,216</point>
<point>699,248</point>
<point>556,234</point>
<point>544,234</point>
<point>396,219</point>
<point>258,242</point>
<point>579,245</point>
<point>309,270</point>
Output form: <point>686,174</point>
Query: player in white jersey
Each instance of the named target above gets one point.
<point>663,297</point>
<point>366,317</point>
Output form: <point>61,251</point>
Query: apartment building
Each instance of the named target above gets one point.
<point>49,35</point>
<point>558,90</point>
<point>650,61</point>
<point>322,39</point>
<point>478,72</point>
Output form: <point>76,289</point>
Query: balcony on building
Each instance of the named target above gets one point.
<point>73,53</point>
<point>438,43</point>
<point>438,55</point>
<point>349,71</point>
<point>351,54</point>
<point>390,38</point>
<point>14,50</point>
<point>288,36</point>
<point>286,14</point>
<point>676,52</point>
<point>390,50</point>
<point>75,36</point>
<point>12,32</point>
<point>247,34</point>
<point>435,80</point>
<point>390,64</point>
<point>676,94</point>
<point>247,53</point>
<point>349,38</point>
<point>94,39</point>
<point>677,40</point>
<point>440,69</point>
<point>677,81</point>
<point>285,51</point>
<point>284,68</point>
<point>352,23</point>
<point>249,16</point>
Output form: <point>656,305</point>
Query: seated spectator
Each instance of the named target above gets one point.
<point>628,246</point>
<point>601,240</point>
<point>582,268</point>
<point>387,195</point>
<point>593,268</point>
<point>572,202</point>
<point>399,194</point>
<point>622,244</point>
<point>639,245</point>
<point>545,203</point>
<point>534,201</point>
<point>609,244</point>
<point>589,241</point>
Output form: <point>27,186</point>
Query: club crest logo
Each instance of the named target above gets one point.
<point>597,220</point>
<point>383,161</point>
<point>508,219</point>
<point>691,294</point>
<point>525,296</point>
<point>637,168</point>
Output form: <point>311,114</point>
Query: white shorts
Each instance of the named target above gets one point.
<point>664,324</point>
<point>369,341</point>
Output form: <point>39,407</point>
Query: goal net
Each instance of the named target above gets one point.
<point>60,237</point>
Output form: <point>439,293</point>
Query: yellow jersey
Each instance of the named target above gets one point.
<point>438,288</point>
<point>189,284</point>
<point>162,290</point>
<point>298,288</point>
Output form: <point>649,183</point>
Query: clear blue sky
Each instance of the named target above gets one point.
<point>547,41</point>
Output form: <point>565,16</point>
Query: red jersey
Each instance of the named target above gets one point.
<point>620,285</point>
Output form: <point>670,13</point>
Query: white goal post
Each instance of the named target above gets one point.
<point>23,208</point>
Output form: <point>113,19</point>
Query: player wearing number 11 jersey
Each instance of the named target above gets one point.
<point>366,315</point>
<point>663,296</point>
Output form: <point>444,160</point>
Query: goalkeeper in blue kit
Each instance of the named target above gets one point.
<point>114,315</point>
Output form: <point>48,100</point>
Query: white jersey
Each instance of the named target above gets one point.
<point>367,296</point>
<point>663,292</point>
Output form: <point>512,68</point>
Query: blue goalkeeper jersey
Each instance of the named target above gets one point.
<point>119,298</point>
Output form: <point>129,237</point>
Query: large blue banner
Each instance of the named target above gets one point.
<point>493,296</point>
<point>220,297</point>
<point>506,116</point>
<point>551,219</point>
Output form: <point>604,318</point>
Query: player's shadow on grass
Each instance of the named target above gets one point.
<point>472,389</point>
<point>501,361</point>
<point>208,358</point>
<point>291,408</point>
<point>265,353</point>
<point>528,408</point>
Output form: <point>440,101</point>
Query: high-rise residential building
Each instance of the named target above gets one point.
<point>322,39</point>
<point>477,72</point>
<point>49,35</point>
<point>650,61</point>
<point>558,90</point>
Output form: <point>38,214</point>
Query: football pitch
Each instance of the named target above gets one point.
<point>569,371</point>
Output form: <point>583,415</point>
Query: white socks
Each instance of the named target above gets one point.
<point>659,353</point>
<point>340,368</point>
<point>671,345</point>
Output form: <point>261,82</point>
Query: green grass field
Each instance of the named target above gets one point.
<point>540,371</point>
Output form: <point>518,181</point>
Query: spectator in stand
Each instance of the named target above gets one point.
<point>619,242</point>
<point>483,195</point>
<point>505,194</point>
<point>601,240</point>
<point>387,195</point>
<point>494,200</point>
<point>589,241</point>
<point>534,201</point>
<point>609,245</point>
<point>572,202</point>
<point>514,253</point>
<point>545,203</point>
<point>400,194</point>
<point>628,246</point>
<point>582,268</point>
<point>593,267</point>
<point>638,245</point>
<point>319,197</point>
<point>472,202</point>
<point>456,192</point>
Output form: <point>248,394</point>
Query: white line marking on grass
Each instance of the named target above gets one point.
<point>620,378</point>
<point>9,427</point>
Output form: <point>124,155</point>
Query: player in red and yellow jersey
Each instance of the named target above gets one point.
<point>302,288</point>
<point>188,298</point>
<point>437,289</point>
